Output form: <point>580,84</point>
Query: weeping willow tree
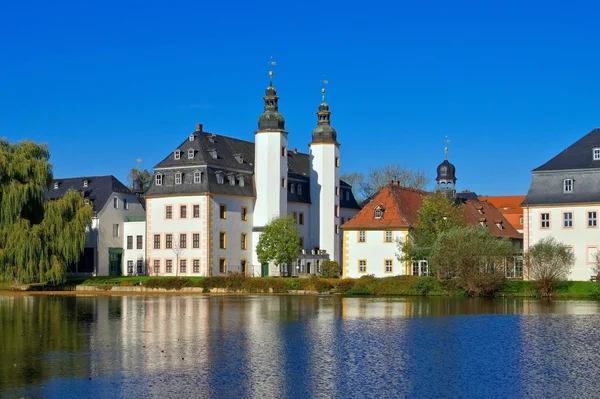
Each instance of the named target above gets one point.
<point>38,239</point>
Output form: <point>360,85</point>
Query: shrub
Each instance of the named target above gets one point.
<point>359,291</point>
<point>235,281</point>
<point>330,269</point>
<point>323,286</point>
<point>424,285</point>
<point>547,262</point>
<point>170,283</point>
<point>343,285</point>
<point>127,283</point>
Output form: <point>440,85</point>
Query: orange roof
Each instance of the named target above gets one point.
<point>509,206</point>
<point>478,212</point>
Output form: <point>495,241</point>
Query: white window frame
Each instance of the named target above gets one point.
<point>596,154</point>
<point>158,179</point>
<point>362,266</point>
<point>378,213</point>
<point>592,220</point>
<point>389,236</point>
<point>190,154</point>
<point>85,183</point>
<point>220,178</point>
<point>125,204</point>
<point>197,178</point>
<point>115,202</point>
<point>178,178</point>
<point>177,154</point>
<point>546,221</point>
<point>389,268</point>
<point>568,186</point>
<point>568,222</point>
<point>116,229</point>
<point>362,236</point>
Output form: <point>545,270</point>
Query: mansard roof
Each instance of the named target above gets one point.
<point>98,190</point>
<point>577,156</point>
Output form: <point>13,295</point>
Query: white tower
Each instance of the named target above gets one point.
<point>324,184</point>
<point>270,168</point>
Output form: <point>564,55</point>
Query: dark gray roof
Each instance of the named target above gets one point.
<point>99,188</point>
<point>229,152</point>
<point>547,188</point>
<point>468,195</point>
<point>577,156</point>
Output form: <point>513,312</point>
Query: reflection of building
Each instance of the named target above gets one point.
<point>564,202</point>
<point>112,203</point>
<point>212,196</point>
<point>371,237</point>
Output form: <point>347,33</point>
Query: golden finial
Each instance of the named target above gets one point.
<point>272,63</point>
<point>446,148</point>
<point>324,81</point>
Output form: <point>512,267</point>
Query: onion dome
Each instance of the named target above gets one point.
<point>271,119</point>
<point>324,132</point>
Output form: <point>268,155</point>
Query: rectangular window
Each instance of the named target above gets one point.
<point>130,267</point>
<point>182,240</point>
<point>301,218</point>
<point>244,214</point>
<point>596,154</point>
<point>362,236</point>
<point>196,240</point>
<point>115,230</point>
<point>337,211</point>
<point>116,203</point>
<point>196,211</point>
<point>197,178</point>
<point>223,211</point>
<point>182,266</point>
<point>169,266</point>
<point>129,242</point>
<point>156,241</point>
<point>196,265</point>
<point>283,182</point>
<point>337,162</point>
<point>568,219</point>
<point>362,266</point>
<point>283,151</point>
<point>244,241</point>
<point>125,204</point>
<point>169,241</point>
<point>592,219</point>
<point>156,266</point>
<point>337,229</point>
<point>389,268</point>
<point>337,191</point>
<point>223,240</point>
<point>222,265</point>
<point>388,236</point>
<point>140,267</point>
<point>568,185</point>
<point>139,243</point>
<point>545,220</point>
<point>168,212</point>
<point>177,178</point>
<point>159,180</point>
<point>183,211</point>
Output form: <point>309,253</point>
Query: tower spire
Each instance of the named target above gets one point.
<point>324,133</point>
<point>446,148</point>
<point>271,119</point>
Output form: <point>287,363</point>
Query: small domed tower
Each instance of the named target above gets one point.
<point>446,177</point>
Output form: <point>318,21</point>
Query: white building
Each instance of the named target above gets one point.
<point>212,196</point>
<point>564,202</point>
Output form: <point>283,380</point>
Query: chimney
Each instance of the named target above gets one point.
<point>199,127</point>
<point>295,150</point>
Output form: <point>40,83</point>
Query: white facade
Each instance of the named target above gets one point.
<point>134,248</point>
<point>574,225</point>
<point>372,252</point>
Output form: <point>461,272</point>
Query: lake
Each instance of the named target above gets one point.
<point>297,347</point>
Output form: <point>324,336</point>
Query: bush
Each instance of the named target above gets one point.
<point>330,269</point>
<point>548,262</point>
<point>343,285</point>
<point>359,291</point>
<point>127,283</point>
<point>323,286</point>
<point>170,283</point>
<point>424,285</point>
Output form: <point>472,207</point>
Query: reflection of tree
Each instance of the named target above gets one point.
<point>35,329</point>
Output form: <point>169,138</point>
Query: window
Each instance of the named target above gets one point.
<point>196,265</point>
<point>56,185</point>
<point>337,162</point>
<point>231,179</point>
<point>130,267</point>
<point>139,242</point>
<point>197,177</point>
<point>156,266</point>
<point>182,266</point>
<point>592,219</point>
<point>183,211</point>
<point>243,263</point>
<point>115,230</point>
<point>596,154</point>
<point>362,266</point>
<point>241,180</point>
<point>568,219</point>
<point>244,241</point>
<point>159,179</point>
<point>568,185</point>
<point>129,242</point>
<point>362,236</point>
<point>177,154</point>
<point>499,225</point>
<point>301,218</point>
<point>125,204</point>
<point>420,268</point>
<point>116,203</point>
<point>85,183</point>
<point>389,268</point>
<point>337,211</point>
<point>169,266</point>
<point>244,214</point>
<point>196,213</point>
<point>545,220</point>
<point>337,191</point>
<point>178,178</point>
<point>220,178</point>
<point>190,154</point>
<point>169,241</point>
<point>223,211</point>
<point>388,236</point>
<point>521,220</point>
<point>283,182</point>
<point>156,241</point>
<point>223,240</point>
<point>337,229</point>
<point>292,188</point>
<point>283,151</point>
<point>182,240</point>
<point>140,266</point>
<point>222,265</point>
<point>347,195</point>
<point>196,240</point>
<point>299,189</point>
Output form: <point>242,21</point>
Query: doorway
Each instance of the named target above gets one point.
<point>115,259</point>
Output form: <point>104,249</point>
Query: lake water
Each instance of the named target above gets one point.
<point>297,347</point>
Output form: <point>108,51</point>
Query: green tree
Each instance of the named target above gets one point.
<point>144,176</point>
<point>367,186</point>
<point>548,262</point>
<point>279,242</point>
<point>436,215</point>
<point>473,256</point>
<point>330,269</point>
<point>38,239</point>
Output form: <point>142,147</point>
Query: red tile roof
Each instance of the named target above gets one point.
<point>509,206</point>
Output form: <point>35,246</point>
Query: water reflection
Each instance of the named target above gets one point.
<point>297,346</point>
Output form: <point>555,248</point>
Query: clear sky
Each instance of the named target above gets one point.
<point>511,83</point>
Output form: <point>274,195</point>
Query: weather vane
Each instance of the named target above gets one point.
<point>139,161</point>
<point>324,81</point>
<point>272,63</point>
<point>446,147</point>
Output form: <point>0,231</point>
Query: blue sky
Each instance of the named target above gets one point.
<point>510,83</point>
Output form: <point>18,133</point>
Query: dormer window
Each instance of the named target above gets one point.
<point>213,153</point>
<point>192,137</point>
<point>190,154</point>
<point>220,177</point>
<point>231,179</point>
<point>293,188</point>
<point>482,222</point>
<point>85,183</point>
<point>240,180</point>
<point>239,158</point>
<point>212,138</point>
<point>159,179</point>
<point>86,201</point>
<point>499,226</point>
<point>378,212</point>
<point>480,210</point>
<point>568,185</point>
<point>56,185</point>
<point>197,177</point>
<point>299,189</point>
<point>596,154</point>
<point>177,154</point>
<point>178,178</point>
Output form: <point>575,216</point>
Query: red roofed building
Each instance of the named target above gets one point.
<point>509,206</point>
